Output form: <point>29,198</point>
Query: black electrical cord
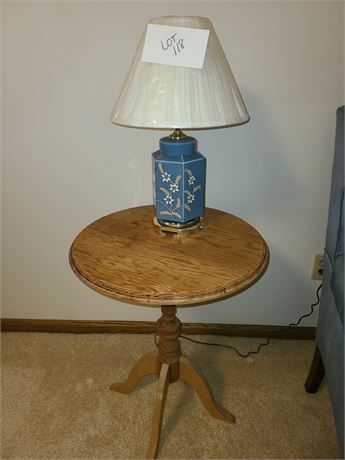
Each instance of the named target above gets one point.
<point>242,355</point>
<point>245,355</point>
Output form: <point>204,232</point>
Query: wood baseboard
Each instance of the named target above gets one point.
<point>143,327</point>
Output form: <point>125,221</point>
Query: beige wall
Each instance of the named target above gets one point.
<point>65,164</point>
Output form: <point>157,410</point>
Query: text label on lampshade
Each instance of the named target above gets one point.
<point>178,46</point>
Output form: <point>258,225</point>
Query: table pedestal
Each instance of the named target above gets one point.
<point>169,368</point>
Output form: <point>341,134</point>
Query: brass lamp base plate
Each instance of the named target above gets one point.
<point>176,228</point>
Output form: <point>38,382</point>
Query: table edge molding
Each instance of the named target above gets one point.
<point>199,297</point>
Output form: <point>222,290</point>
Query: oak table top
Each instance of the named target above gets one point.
<point>122,256</point>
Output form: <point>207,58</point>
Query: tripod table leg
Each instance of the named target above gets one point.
<point>191,376</point>
<point>161,395</point>
<point>147,365</point>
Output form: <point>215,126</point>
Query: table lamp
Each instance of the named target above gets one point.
<point>179,79</point>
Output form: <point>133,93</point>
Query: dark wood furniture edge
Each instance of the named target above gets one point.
<point>316,373</point>
<point>148,327</point>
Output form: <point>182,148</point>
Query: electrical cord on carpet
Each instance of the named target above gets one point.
<point>263,344</point>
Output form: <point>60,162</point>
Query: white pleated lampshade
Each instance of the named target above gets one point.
<point>168,96</point>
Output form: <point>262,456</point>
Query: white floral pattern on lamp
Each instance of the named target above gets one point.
<point>173,202</point>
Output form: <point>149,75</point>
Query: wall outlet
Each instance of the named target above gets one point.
<point>317,270</point>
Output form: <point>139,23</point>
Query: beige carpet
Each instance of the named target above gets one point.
<point>56,403</point>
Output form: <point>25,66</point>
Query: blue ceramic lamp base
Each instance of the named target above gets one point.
<point>179,173</point>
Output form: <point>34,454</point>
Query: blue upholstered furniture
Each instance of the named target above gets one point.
<point>329,353</point>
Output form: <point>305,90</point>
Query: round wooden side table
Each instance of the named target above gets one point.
<point>123,256</point>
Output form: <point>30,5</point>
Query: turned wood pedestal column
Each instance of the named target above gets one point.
<point>124,257</point>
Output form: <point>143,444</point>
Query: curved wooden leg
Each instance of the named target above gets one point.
<point>161,395</point>
<point>147,365</point>
<point>191,376</point>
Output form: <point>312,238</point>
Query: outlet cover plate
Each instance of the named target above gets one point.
<point>316,273</point>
